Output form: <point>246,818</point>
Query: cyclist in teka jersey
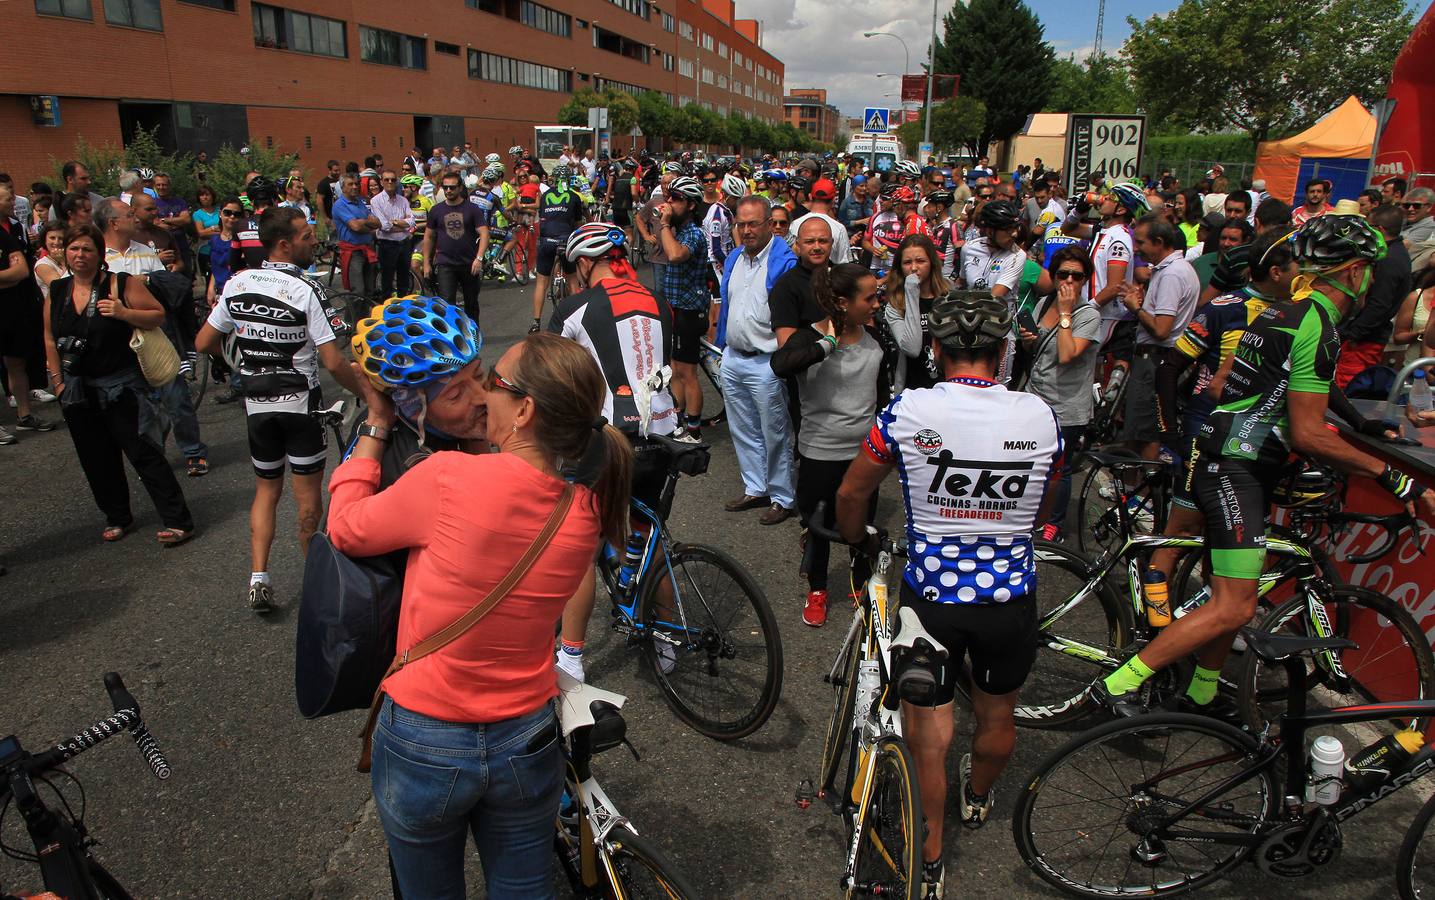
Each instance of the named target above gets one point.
<point>630,334</point>
<point>972,496</point>
<point>282,330</point>
<point>560,210</point>
<point>1275,388</point>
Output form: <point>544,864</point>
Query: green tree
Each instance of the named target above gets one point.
<point>956,125</point>
<point>1097,84</point>
<point>999,49</point>
<point>1265,67</point>
<point>656,116</point>
<point>622,109</point>
<point>228,167</point>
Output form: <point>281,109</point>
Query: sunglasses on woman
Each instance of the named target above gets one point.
<point>1070,275</point>
<point>230,213</point>
<point>495,380</point>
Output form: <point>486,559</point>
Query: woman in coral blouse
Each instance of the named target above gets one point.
<point>467,738</point>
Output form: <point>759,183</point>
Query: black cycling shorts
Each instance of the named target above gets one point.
<point>999,638</point>
<point>1234,499</point>
<point>277,436</point>
<point>650,468</point>
<point>622,218</point>
<point>550,250</point>
<point>689,328</point>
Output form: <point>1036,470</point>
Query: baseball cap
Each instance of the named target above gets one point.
<point>824,189</point>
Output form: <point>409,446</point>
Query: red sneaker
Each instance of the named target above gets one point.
<point>1050,532</point>
<point>815,612</point>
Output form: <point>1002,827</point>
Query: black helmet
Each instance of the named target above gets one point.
<point>261,189</point>
<point>970,320</point>
<point>800,183</point>
<point>943,197</point>
<point>1329,240</point>
<point>999,214</point>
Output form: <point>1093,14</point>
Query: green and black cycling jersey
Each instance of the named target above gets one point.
<point>1288,347</point>
<point>559,212</point>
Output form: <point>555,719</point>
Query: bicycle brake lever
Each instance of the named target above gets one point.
<point>631,749</point>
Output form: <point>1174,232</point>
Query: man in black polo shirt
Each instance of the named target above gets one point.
<point>791,302</point>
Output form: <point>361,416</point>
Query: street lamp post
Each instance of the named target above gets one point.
<point>931,75</point>
<point>908,64</point>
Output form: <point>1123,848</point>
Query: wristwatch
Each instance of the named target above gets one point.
<point>375,432</point>
<point>1065,321</point>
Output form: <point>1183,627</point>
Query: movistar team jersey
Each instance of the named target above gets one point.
<point>971,494</point>
<point>559,212</point>
<point>1288,347</point>
<point>1211,337</point>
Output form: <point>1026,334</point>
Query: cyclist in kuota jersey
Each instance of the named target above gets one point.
<point>1274,395</point>
<point>972,496</point>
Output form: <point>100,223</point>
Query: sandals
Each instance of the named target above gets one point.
<point>171,537</point>
<point>114,533</point>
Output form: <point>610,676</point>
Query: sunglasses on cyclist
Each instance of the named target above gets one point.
<point>1412,205</point>
<point>231,213</point>
<point>710,181</point>
<point>1070,275</point>
<point>451,187</point>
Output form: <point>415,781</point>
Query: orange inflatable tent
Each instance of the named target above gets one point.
<point>1337,147</point>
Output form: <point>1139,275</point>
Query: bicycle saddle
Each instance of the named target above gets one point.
<point>689,459</point>
<point>910,630</point>
<point>576,701</point>
<point>1275,647</point>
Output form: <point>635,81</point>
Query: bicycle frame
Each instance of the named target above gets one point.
<point>1291,744</point>
<point>626,600</point>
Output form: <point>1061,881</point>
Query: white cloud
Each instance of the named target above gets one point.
<point>821,45</point>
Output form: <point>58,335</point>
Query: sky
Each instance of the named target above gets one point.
<point>821,44</point>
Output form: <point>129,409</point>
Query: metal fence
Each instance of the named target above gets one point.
<point>1191,171</point>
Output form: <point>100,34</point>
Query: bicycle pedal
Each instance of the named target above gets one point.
<point>805,793</point>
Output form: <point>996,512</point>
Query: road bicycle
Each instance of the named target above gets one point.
<point>557,287</point>
<point>599,849</point>
<point>703,621</point>
<point>1110,403</point>
<point>879,799</point>
<point>522,247</point>
<point>710,364</point>
<point>1118,483</point>
<point>1167,803</point>
<point>62,843</point>
<point>1090,632</point>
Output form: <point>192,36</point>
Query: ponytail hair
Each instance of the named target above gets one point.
<point>833,283</point>
<point>568,390</point>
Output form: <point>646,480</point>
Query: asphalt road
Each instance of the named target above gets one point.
<point>265,804</point>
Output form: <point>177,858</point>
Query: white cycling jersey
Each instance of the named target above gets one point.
<point>986,266</point>
<point>279,320</point>
<point>1111,244</point>
<point>974,460</point>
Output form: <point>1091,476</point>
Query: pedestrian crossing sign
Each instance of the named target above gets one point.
<point>875,120</point>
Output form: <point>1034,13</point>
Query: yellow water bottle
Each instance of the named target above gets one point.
<point>1158,601</point>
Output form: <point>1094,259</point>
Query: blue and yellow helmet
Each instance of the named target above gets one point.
<point>413,341</point>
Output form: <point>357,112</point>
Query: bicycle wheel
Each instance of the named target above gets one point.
<point>1098,518</point>
<point>637,869</point>
<point>889,849</point>
<point>725,669</point>
<point>1055,693</point>
<point>843,678</point>
<point>1392,661</point>
<point>105,885</point>
<point>199,380</point>
<point>1097,801</point>
<point>1415,865</point>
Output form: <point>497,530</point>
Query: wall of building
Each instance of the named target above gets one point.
<point>322,107</point>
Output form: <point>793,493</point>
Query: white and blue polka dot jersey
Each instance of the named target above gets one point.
<point>974,459</point>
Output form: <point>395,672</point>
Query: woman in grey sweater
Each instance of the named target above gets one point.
<point>843,367</point>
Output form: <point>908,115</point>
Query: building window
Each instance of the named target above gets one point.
<point>308,142</point>
<point>685,30</point>
<point>685,68</point>
<point>613,42</point>
<point>544,19</point>
<point>134,14</point>
<point>343,142</point>
<point>301,32</point>
<point>448,49</point>
<point>390,48</point>
<point>269,142</point>
<point>668,61</point>
<point>226,5</point>
<point>600,84</point>
<point>722,82</point>
<point>70,9</point>
<point>722,49</point>
<point>736,57</point>
<point>669,23</point>
<point>488,6</point>
<point>491,67</point>
<point>707,40</point>
<point>636,7</point>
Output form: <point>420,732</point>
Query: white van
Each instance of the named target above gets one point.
<point>885,147</point>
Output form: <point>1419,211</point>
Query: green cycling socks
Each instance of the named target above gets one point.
<point>1132,674</point>
<point>1203,686</point>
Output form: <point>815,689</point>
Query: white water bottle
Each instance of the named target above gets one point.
<point>1327,763</point>
<point>1419,392</point>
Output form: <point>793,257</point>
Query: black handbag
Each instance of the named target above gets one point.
<point>347,630</point>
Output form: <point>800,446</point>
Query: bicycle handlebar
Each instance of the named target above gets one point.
<point>126,718</point>
<point>1391,525</point>
<point>896,547</point>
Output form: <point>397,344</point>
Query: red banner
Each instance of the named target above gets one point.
<point>911,115</point>
<point>914,88</point>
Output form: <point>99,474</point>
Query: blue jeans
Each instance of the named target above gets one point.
<point>761,429</point>
<point>178,408</point>
<point>1070,437</point>
<point>435,782</point>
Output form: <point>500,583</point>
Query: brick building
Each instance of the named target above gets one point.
<point>342,79</point>
<point>808,109</point>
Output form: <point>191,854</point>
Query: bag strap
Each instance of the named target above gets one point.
<point>448,635</point>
